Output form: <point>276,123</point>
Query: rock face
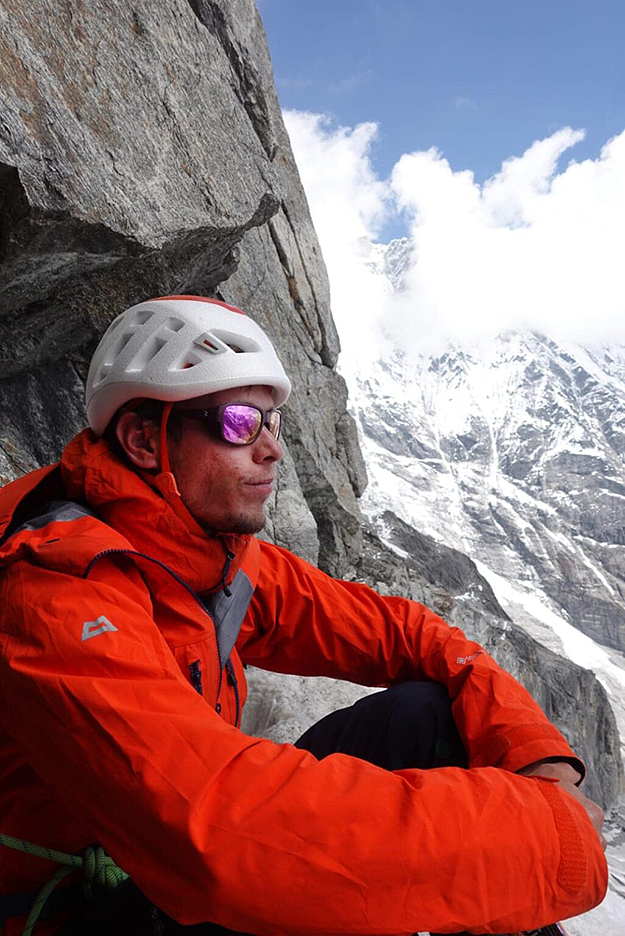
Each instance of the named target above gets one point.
<point>142,153</point>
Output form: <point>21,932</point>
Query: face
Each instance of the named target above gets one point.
<point>225,486</point>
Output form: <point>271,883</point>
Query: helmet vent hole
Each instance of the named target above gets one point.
<point>209,342</point>
<point>146,354</point>
<point>189,359</point>
<point>173,324</point>
<point>240,344</point>
<point>141,316</point>
<point>117,348</point>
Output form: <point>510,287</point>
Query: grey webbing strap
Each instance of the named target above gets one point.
<point>229,612</point>
<point>56,512</point>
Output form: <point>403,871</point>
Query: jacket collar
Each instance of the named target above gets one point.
<point>148,511</point>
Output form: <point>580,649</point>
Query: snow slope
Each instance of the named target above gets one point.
<point>513,451</point>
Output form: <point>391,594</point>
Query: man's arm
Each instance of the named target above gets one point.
<point>304,622</point>
<point>260,837</point>
<point>569,779</point>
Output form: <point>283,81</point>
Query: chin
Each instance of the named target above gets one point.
<point>239,525</point>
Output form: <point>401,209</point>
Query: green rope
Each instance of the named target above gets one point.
<point>40,851</point>
<point>41,898</point>
<point>101,872</point>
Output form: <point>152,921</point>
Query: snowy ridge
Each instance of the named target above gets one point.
<point>513,452</point>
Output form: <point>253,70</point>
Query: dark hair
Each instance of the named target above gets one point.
<point>150,411</point>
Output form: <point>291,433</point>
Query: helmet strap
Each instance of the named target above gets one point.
<point>165,482</point>
<point>163,450</point>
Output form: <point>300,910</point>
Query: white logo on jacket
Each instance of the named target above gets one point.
<point>99,626</point>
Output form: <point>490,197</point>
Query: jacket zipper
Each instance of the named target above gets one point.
<point>181,581</point>
<point>232,679</point>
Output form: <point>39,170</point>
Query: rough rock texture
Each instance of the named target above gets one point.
<point>448,582</point>
<point>142,153</point>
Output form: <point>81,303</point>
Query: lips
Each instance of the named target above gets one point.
<point>264,486</point>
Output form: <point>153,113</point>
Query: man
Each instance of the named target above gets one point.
<point>130,572</point>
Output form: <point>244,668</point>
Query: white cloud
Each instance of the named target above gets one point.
<point>536,246</point>
<point>349,205</point>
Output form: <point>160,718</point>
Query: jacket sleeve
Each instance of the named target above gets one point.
<point>303,622</point>
<point>214,825</point>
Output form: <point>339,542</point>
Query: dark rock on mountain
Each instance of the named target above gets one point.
<point>410,563</point>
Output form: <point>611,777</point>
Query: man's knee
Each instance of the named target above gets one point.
<point>420,697</point>
<point>408,725</point>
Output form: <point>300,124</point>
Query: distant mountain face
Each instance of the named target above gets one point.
<point>512,453</point>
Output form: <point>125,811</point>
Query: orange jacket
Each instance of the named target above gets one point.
<point>107,739</point>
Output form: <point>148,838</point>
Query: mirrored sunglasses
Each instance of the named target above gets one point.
<point>236,423</point>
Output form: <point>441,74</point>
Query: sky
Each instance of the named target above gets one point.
<point>492,135</point>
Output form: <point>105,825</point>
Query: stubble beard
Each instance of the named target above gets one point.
<point>244,524</point>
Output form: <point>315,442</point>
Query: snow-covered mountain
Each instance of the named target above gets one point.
<point>513,452</point>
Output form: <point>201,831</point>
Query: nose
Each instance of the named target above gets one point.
<point>267,448</point>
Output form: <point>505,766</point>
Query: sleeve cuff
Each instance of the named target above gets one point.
<point>526,744</point>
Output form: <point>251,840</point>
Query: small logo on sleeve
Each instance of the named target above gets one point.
<point>99,626</point>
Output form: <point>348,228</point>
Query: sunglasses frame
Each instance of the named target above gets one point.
<point>213,416</point>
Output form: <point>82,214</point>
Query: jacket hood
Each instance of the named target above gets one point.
<point>147,511</point>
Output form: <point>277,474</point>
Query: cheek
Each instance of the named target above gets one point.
<point>201,464</point>
<point>189,463</point>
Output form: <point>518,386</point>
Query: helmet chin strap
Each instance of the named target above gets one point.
<point>163,450</point>
<point>165,481</point>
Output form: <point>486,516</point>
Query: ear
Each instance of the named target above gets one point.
<point>139,439</point>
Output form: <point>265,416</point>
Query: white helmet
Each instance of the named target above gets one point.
<point>176,348</point>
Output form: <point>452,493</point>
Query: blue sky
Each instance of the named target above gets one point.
<point>490,134</point>
<point>479,80</point>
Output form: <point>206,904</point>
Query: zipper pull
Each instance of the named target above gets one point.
<point>232,680</point>
<point>229,558</point>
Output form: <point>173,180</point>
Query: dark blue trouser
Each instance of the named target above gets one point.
<point>409,725</point>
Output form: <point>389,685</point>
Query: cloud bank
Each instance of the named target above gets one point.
<point>537,246</point>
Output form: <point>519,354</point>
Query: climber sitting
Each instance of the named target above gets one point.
<point>133,592</point>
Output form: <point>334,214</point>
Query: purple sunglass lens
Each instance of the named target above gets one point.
<point>240,423</point>
<point>274,423</point>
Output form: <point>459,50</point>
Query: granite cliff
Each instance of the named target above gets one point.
<point>142,152</point>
